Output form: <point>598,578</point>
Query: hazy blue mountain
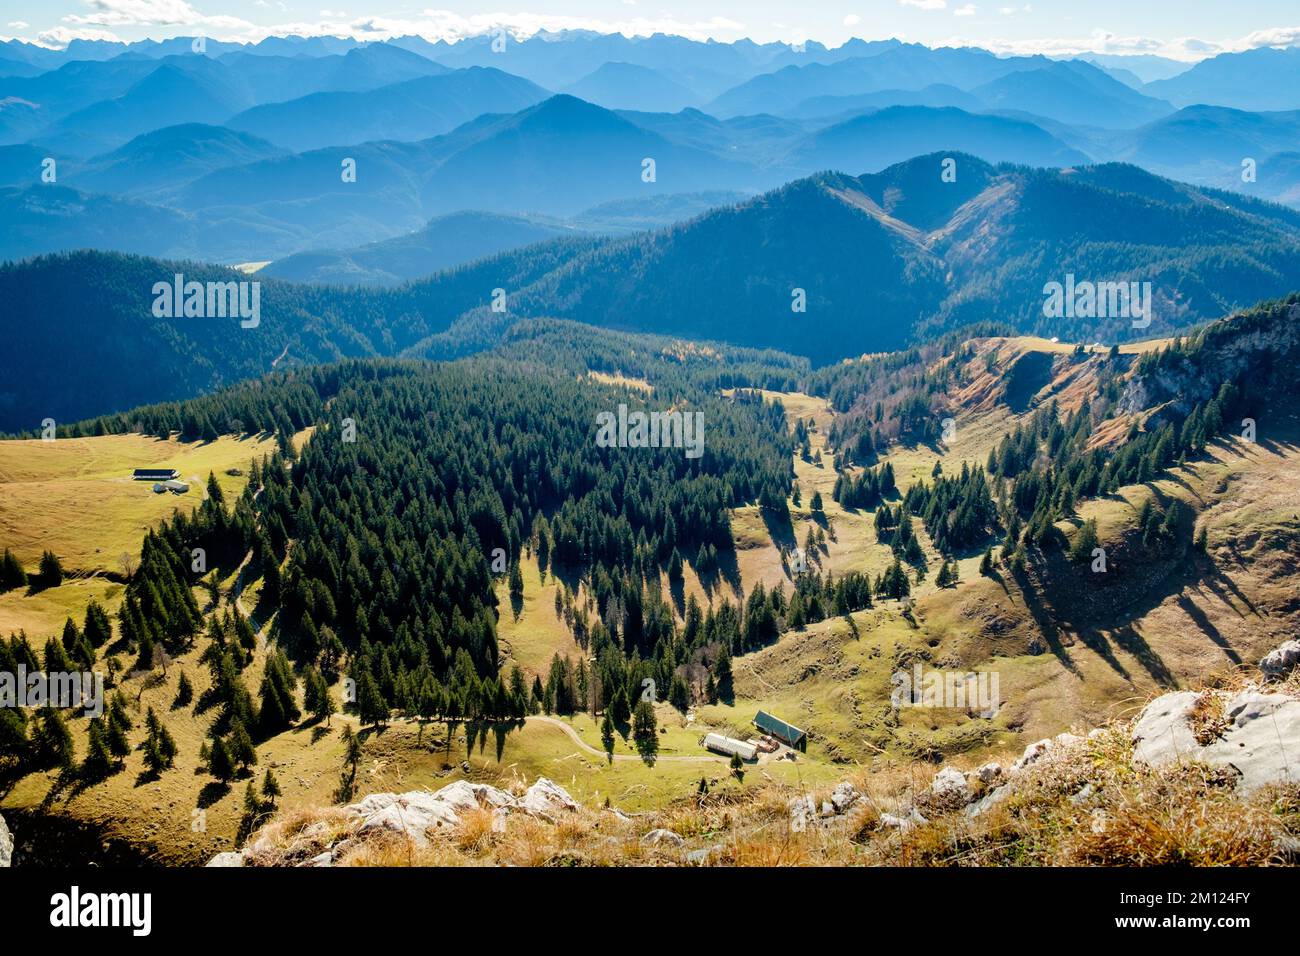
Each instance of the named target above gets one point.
<point>1262,79</point>
<point>876,140</point>
<point>29,104</point>
<point>1277,177</point>
<point>1072,92</point>
<point>103,94</point>
<point>302,200</point>
<point>175,92</point>
<point>457,238</point>
<point>626,86</point>
<point>40,57</point>
<point>50,217</point>
<point>9,67</point>
<point>880,256</point>
<point>20,165</point>
<point>558,60</point>
<point>169,157</point>
<point>20,119</point>
<point>443,243</point>
<point>761,139</point>
<point>1145,66</point>
<point>901,67</point>
<point>83,338</point>
<point>564,155</point>
<point>936,94</point>
<point>412,110</point>
<point>1207,142</point>
<point>314,46</point>
<point>1129,79</point>
<point>620,216</point>
<point>274,78</point>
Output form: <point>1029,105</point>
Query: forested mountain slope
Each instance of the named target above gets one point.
<point>827,267</point>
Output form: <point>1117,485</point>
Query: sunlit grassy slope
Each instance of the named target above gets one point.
<point>1059,664</point>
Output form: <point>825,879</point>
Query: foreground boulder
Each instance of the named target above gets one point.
<point>6,844</point>
<point>416,815</point>
<point>1280,661</point>
<point>1254,733</point>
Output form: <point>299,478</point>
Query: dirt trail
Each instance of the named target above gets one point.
<point>573,735</point>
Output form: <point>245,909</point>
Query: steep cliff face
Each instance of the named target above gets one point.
<point>1256,350</point>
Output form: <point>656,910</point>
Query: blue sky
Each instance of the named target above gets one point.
<point>1183,29</point>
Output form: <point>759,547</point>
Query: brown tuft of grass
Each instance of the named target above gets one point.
<point>1208,718</point>
<point>475,831</point>
<point>389,849</point>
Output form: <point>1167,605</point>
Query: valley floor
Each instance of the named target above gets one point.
<point>1066,658</point>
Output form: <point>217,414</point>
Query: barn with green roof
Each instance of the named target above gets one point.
<point>788,734</point>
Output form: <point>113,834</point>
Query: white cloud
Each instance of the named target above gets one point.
<point>20,24</point>
<point>179,17</point>
<point>1184,49</point>
<point>925,4</point>
<point>447,25</point>
<point>852,20</point>
<point>61,36</point>
<point>967,11</point>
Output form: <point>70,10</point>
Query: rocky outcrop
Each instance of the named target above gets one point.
<point>1256,735</point>
<point>415,815</point>
<point>1280,661</point>
<point>662,837</point>
<point>6,845</point>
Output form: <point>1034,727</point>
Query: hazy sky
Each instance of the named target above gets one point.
<point>1184,29</point>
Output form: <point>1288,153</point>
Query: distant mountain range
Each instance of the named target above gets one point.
<point>238,153</point>
<point>877,259</point>
<point>463,237</point>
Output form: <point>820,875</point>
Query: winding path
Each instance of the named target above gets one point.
<point>573,735</point>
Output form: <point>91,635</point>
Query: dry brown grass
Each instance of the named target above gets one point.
<point>1083,804</point>
<point>475,831</point>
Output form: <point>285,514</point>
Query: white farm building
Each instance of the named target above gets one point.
<point>729,747</point>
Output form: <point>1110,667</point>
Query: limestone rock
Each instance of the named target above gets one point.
<point>662,837</point>
<point>1261,740</point>
<point>985,776</point>
<point>989,800</point>
<point>950,784</point>
<point>227,859</point>
<point>1279,662</point>
<point>703,855</point>
<point>547,799</point>
<point>913,819</point>
<point>6,845</point>
<point>1163,732</point>
<point>1033,753</point>
<point>844,796</point>
<point>802,814</point>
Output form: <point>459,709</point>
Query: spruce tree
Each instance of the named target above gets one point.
<point>99,761</point>
<point>184,692</point>
<point>270,788</point>
<point>51,745</point>
<point>12,574</point>
<point>51,570</point>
